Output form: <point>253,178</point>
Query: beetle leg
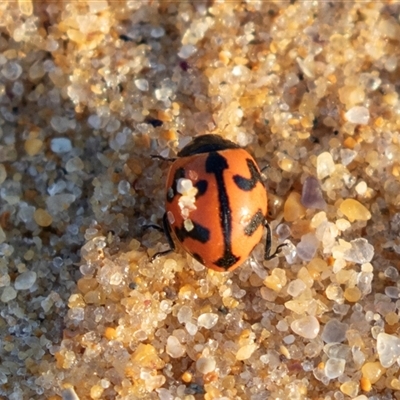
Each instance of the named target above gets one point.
<point>154,226</point>
<point>157,157</point>
<point>268,243</point>
<point>167,231</point>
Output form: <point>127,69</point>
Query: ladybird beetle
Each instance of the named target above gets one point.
<point>216,203</point>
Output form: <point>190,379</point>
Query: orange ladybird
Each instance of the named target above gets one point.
<point>216,203</point>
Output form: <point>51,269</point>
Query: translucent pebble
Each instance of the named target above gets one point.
<point>10,191</point>
<point>12,71</point>
<point>352,295</point>
<point>77,313</point>
<point>283,231</point>
<point>59,202</point>
<point>3,173</point>
<point>36,71</point>
<point>392,291</point>
<point>9,293</point>
<point>3,378</point>
<point>3,238</point>
<point>47,303</point>
<point>60,145</point>
<point>334,331</point>
<point>205,365</point>
<point>56,187</point>
<point>293,209</point>
<point>354,210</point>
<point>388,348</point>
<point>26,7</point>
<point>96,391</point>
<point>49,66</point>
<point>116,278</point>
<point>184,314</point>
<point>97,6</point>
<point>361,251</point>
<point>142,84</point>
<point>351,95</point>
<point>74,164</point>
<point>389,28</point>
<point>334,367</point>
<point>157,32</point>
<point>113,125</point>
<point>174,348</point>
<point>25,213</point>
<point>373,371</point>
<point>365,385</point>
<point>207,320</point>
<point>120,139</point>
<point>191,328</point>
<point>51,45</point>
<point>347,156</point>
<point>237,70</point>
<point>245,352</point>
<point>69,394</point>
<point>307,247</point>
<point>33,146</point>
<point>58,262</point>
<point>282,326</point>
<point>361,188</point>
<point>6,250</point>
<point>277,280</point>
<point>42,217</point>
<point>94,121</point>
<point>25,281</point>
<point>18,88</point>
<point>296,287</point>
<point>364,282</point>
<point>391,63</point>
<point>312,196</point>
<point>4,280</point>
<point>306,327</point>
<point>186,51</point>
<point>124,187</point>
<point>60,124</point>
<point>105,383</point>
<point>338,350</point>
<point>358,356</point>
<point>325,165</point>
<point>165,394</point>
<point>289,339</point>
<point>291,79</point>
<point>358,115</point>
<point>391,318</point>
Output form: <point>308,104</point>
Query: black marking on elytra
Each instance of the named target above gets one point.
<point>172,191</point>
<point>216,164</point>
<point>198,257</point>
<point>248,184</point>
<point>227,260</point>
<point>199,233</point>
<point>257,220</point>
<point>206,144</point>
<point>201,187</point>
